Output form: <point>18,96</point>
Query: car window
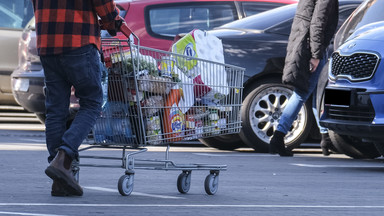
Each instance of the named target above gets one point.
<point>343,15</point>
<point>368,12</point>
<point>283,28</point>
<point>265,19</point>
<point>170,20</point>
<point>252,8</point>
<point>15,14</point>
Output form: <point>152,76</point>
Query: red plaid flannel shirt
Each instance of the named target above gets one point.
<point>63,25</point>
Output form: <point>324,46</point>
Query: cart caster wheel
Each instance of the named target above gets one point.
<point>211,183</point>
<point>125,185</point>
<point>76,171</point>
<point>184,182</point>
<point>76,175</point>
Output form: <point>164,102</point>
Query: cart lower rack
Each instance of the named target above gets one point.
<point>154,97</point>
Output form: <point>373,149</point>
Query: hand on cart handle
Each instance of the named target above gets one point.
<point>119,25</point>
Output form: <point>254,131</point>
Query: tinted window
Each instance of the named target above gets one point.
<point>283,28</point>
<point>266,19</point>
<point>174,19</point>
<point>252,8</point>
<point>15,14</point>
<point>368,12</point>
<point>343,15</point>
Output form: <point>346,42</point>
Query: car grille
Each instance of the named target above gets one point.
<point>359,114</point>
<point>356,67</point>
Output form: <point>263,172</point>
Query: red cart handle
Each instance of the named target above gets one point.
<point>121,25</point>
<point>125,29</point>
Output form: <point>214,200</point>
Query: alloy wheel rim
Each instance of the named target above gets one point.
<point>266,110</point>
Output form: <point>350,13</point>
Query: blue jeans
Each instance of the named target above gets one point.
<point>79,68</point>
<point>297,100</point>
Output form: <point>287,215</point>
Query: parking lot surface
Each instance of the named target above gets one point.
<point>253,184</point>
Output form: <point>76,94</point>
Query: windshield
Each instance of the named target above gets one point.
<point>265,20</point>
<point>368,12</point>
<point>15,14</point>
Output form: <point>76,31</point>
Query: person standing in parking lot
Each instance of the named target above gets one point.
<point>313,28</point>
<point>68,42</point>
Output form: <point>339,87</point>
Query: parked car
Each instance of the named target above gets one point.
<point>353,100</point>
<point>155,22</point>
<point>13,19</point>
<point>259,44</point>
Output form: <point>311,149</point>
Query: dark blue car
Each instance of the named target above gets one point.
<point>354,97</point>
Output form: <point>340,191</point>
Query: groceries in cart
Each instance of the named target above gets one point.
<point>113,125</point>
<point>153,97</point>
<point>188,93</point>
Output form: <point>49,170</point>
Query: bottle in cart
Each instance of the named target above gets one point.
<point>190,127</point>
<point>173,120</point>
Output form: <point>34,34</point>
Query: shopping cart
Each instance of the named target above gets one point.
<point>151,98</point>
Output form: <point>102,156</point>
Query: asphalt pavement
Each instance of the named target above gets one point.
<point>253,184</point>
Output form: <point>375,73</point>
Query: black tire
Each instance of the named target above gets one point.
<point>224,142</point>
<point>260,117</point>
<point>380,147</point>
<point>72,115</point>
<point>353,146</point>
<point>41,117</point>
<point>321,84</point>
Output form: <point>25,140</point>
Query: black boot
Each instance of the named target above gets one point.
<point>325,144</point>
<point>277,145</point>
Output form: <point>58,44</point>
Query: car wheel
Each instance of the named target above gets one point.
<point>41,117</point>
<point>260,115</point>
<point>380,147</point>
<point>353,146</point>
<point>224,142</point>
<point>72,114</point>
<point>321,84</point>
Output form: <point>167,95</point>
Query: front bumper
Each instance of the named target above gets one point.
<point>356,129</point>
<point>354,112</point>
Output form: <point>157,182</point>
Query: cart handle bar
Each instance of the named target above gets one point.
<point>123,27</point>
<point>125,30</point>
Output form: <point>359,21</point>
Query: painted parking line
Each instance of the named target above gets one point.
<point>234,155</point>
<point>24,213</point>
<point>134,193</point>
<point>195,205</point>
<point>23,147</point>
<point>335,166</point>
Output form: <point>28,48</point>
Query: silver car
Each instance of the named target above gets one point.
<point>14,16</point>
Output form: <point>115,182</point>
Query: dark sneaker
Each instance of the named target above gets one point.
<point>325,144</point>
<point>60,170</point>
<point>276,145</point>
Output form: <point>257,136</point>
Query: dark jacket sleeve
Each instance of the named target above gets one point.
<point>320,28</point>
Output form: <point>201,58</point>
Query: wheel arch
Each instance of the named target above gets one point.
<point>273,70</point>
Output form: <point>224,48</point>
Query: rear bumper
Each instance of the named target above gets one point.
<point>32,96</point>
